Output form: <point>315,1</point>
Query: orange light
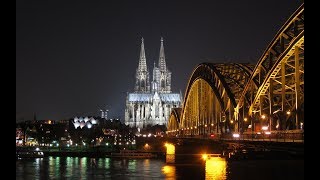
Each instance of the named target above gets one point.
<point>204,156</point>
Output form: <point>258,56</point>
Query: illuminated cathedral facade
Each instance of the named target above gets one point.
<point>151,102</point>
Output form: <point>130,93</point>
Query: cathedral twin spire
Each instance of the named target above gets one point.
<point>142,61</point>
<point>162,59</point>
<point>142,74</point>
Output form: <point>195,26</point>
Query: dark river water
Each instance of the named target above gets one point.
<point>83,168</point>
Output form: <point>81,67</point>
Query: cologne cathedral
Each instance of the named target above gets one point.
<point>151,102</point>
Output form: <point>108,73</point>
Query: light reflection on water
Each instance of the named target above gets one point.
<point>106,168</point>
<point>216,168</point>
<point>169,171</point>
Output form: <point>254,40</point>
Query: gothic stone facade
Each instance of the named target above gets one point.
<point>151,103</point>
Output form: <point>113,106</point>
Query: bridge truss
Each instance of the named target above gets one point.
<point>238,97</point>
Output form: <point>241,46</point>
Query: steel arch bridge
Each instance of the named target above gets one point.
<point>238,97</point>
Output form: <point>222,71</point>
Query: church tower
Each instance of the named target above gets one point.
<point>142,74</point>
<point>164,81</point>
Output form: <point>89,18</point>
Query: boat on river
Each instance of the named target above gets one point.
<point>29,153</point>
<point>132,154</point>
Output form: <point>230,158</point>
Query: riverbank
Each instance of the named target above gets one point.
<point>92,154</point>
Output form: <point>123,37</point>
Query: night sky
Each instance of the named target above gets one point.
<point>75,57</point>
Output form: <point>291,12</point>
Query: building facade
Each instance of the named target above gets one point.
<point>151,102</point>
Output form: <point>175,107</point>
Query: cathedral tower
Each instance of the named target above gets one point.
<point>161,74</point>
<point>142,73</point>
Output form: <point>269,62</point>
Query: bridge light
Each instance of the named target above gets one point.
<point>170,148</point>
<point>236,135</point>
<point>204,156</point>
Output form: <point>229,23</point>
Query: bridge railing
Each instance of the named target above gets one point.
<point>276,136</point>
<point>267,136</point>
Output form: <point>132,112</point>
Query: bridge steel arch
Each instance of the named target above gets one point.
<point>174,121</point>
<point>230,96</point>
<point>274,95</point>
<point>211,95</point>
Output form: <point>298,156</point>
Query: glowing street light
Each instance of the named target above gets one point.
<point>263,116</point>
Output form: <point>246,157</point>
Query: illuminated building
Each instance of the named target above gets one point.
<point>151,103</point>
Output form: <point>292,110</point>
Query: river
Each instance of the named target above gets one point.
<point>84,168</point>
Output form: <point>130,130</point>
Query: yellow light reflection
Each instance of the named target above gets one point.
<point>146,162</point>
<point>169,171</point>
<point>216,168</point>
<point>146,165</point>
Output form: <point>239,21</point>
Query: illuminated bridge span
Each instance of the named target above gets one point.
<point>231,97</point>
